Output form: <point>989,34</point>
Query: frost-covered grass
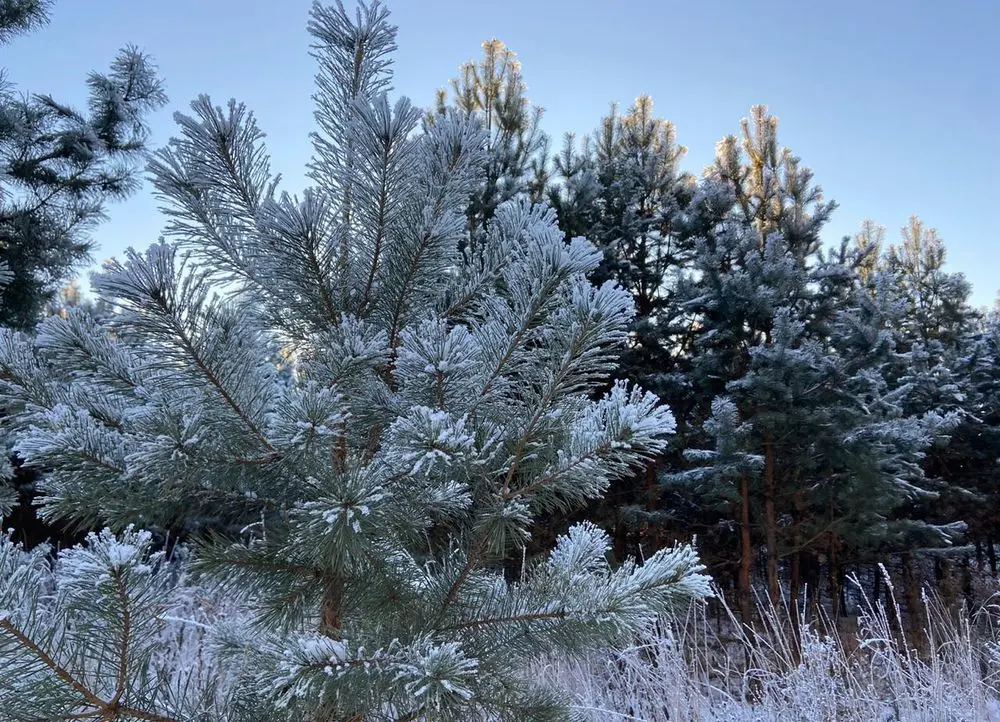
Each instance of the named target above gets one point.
<point>692,669</point>
<point>689,668</point>
<point>686,671</point>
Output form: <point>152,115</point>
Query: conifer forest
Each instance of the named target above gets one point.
<point>481,424</point>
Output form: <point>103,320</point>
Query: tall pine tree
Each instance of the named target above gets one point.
<point>786,334</point>
<point>493,90</point>
<point>59,167</point>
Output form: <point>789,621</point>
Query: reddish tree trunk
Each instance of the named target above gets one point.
<point>876,584</point>
<point>798,543</point>
<point>746,551</point>
<point>771,521</point>
<point>914,604</point>
<point>652,497</point>
<point>833,575</point>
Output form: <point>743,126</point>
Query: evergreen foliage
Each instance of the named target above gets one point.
<point>363,497</point>
<point>791,369</point>
<point>373,408</point>
<point>622,188</point>
<point>59,167</point>
<point>789,335</point>
<point>493,90</point>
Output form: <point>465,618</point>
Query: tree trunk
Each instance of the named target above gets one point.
<point>833,576</point>
<point>652,497</point>
<point>652,488</point>
<point>771,521</point>
<point>333,606</point>
<point>746,551</point>
<point>967,590</point>
<point>991,555</point>
<point>795,580</point>
<point>799,508</point>
<point>949,586</point>
<point>795,575</point>
<point>621,538</point>
<point>876,584</point>
<point>914,604</point>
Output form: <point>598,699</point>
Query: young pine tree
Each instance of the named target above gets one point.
<point>973,457</point>
<point>59,167</point>
<point>938,362</point>
<point>623,189</point>
<point>362,505</point>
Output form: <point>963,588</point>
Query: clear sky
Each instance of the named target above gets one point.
<point>894,104</point>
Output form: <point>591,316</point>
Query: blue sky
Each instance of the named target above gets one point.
<point>893,104</point>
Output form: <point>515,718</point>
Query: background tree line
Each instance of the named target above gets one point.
<point>837,405</point>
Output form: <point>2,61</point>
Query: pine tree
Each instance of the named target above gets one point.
<point>723,474</point>
<point>364,504</point>
<point>745,295</point>
<point>59,167</point>
<point>938,359</point>
<point>936,301</point>
<point>786,333</point>
<point>494,91</point>
<point>623,189</point>
<point>973,459</point>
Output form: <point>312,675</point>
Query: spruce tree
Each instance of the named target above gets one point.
<point>362,504</point>
<point>59,167</point>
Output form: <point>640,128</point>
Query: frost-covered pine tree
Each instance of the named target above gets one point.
<point>364,422</point>
<point>807,445</point>
<point>60,166</point>
<point>493,90</point>
<point>622,188</point>
<point>975,447</point>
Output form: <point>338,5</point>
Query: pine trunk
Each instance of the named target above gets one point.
<point>746,551</point>
<point>771,521</point>
<point>968,593</point>
<point>876,584</point>
<point>652,496</point>
<point>795,580</point>
<point>652,488</point>
<point>620,536</point>
<point>914,604</point>
<point>333,606</point>
<point>795,575</point>
<point>947,587</point>
<point>834,576</point>
<point>798,542</point>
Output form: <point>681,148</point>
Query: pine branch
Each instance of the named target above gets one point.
<point>510,619</point>
<point>123,656</point>
<point>54,666</point>
<point>110,710</point>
